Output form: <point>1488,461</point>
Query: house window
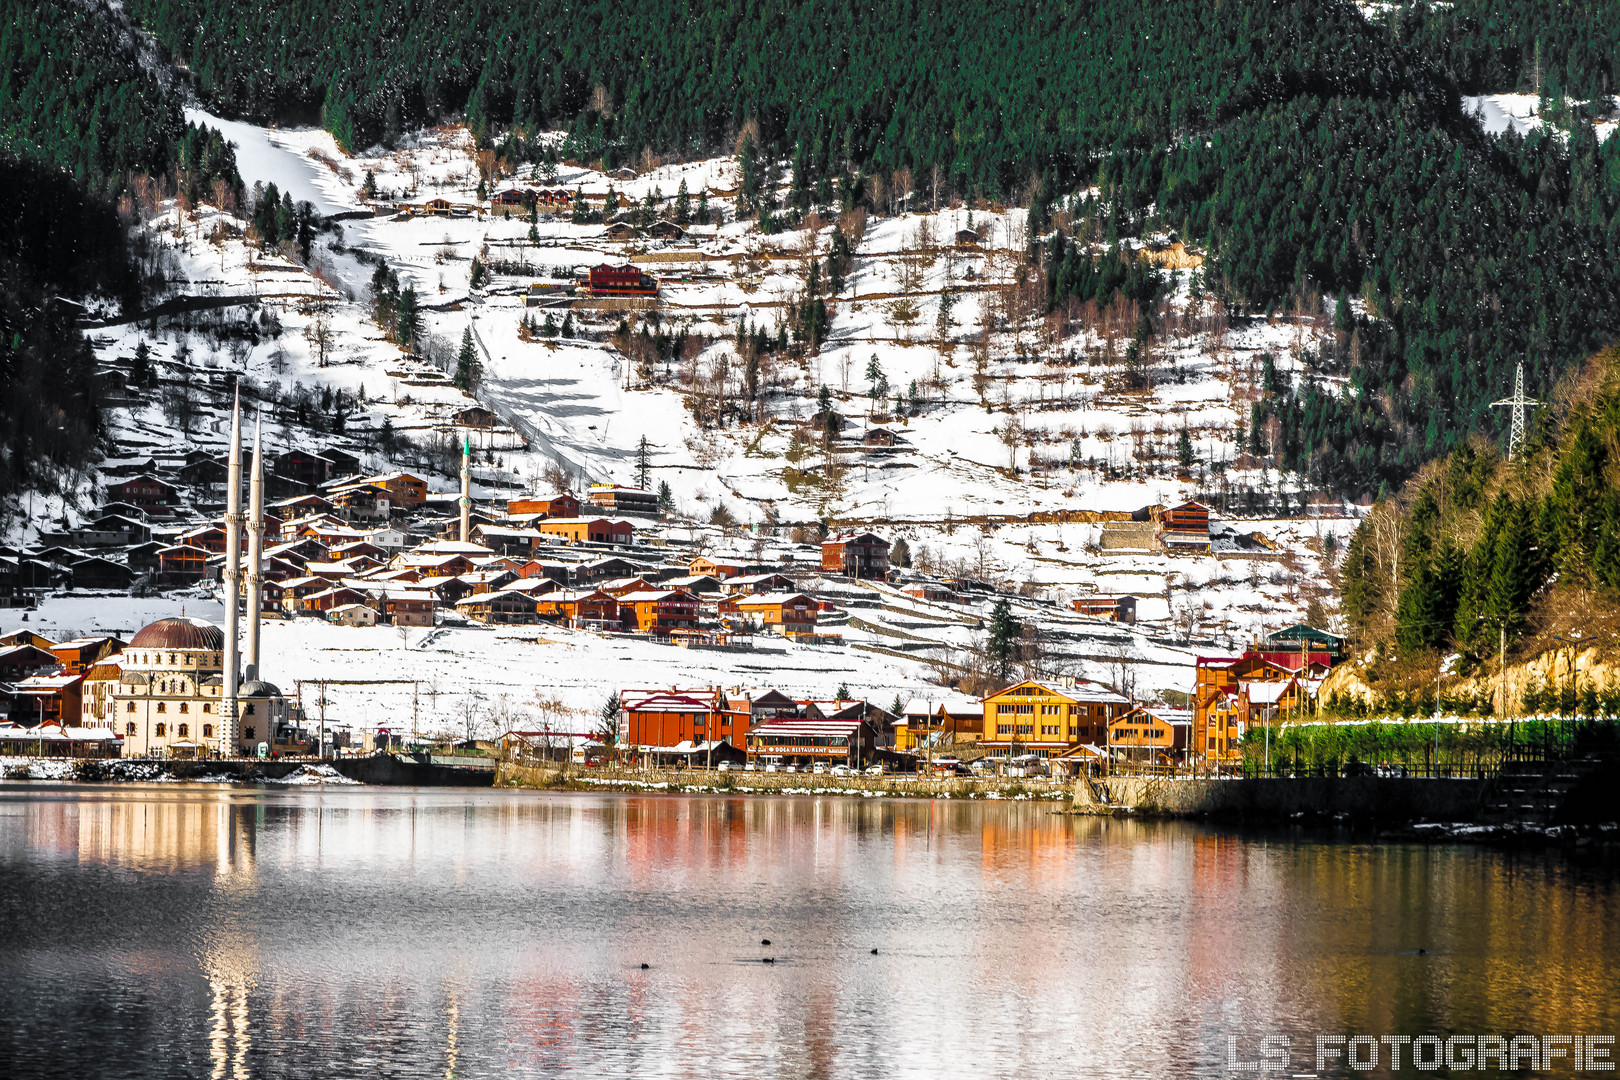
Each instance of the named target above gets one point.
<point>208,731</point>
<point>207,707</point>
<point>249,731</point>
<point>185,731</point>
<point>185,707</point>
<point>249,709</point>
<point>162,730</point>
<point>129,728</point>
<point>162,707</point>
<point>131,707</point>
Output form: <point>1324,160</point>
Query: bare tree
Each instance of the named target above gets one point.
<point>319,331</point>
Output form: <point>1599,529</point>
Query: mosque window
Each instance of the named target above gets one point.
<point>131,707</point>
<point>129,729</point>
<point>163,707</point>
<point>185,731</point>
<point>208,731</point>
<point>250,709</point>
<point>185,707</point>
<point>162,730</point>
<point>250,732</point>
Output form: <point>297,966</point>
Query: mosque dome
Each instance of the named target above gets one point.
<point>180,634</point>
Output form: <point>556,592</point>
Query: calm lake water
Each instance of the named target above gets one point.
<point>172,930</point>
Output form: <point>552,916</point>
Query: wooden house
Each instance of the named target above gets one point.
<point>855,554</point>
<point>588,530</point>
<point>1184,528</point>
<point>1046,718</point>
<point>560,505</point>
<point>618,499</point>
<point>181,564</point>
<point>658,611</point>
<point>609,280</point>
<point>582,608</point>
<point>784,613</point>
<point>153,497</point>
<point>1121,609</point>
<point>1153,736</point>
<point>500,608</point>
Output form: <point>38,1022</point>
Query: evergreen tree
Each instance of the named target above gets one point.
<point>140,370</point>
<point>643,465</point>
<point>666,498</point>
<point>607,728</point>
<point>407,319</point>
<point>467,366</point>
<point>1184,448</point>
<point>1005,632</point>
<point>683,205</point>
<point>1514,574</point>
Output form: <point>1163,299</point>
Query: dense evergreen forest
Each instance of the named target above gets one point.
<point>1313,154</point>
<point>1570,48</point>
<point>80,118</point>
<point>1476,553</point>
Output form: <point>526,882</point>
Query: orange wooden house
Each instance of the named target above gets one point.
<point>658,611</point>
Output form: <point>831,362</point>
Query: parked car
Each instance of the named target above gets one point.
<point>874,770</point>
<point>771,768</point>
<point>842,770</point>
<point>818,768</point>
<point>724,766</point>
<point>790,768</point>
<point>750,767</point>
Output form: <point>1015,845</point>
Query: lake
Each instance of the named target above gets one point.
<point>197,930</point>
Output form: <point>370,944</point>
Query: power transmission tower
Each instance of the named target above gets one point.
<point>1519,403</point>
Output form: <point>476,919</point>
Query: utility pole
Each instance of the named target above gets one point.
<point>1519,403</point>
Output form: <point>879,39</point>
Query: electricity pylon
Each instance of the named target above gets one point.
<point>1519,403</point>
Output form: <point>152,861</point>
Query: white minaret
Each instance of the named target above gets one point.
<point>233,573</point>
<point>255,556</point>
<point>466,487</point>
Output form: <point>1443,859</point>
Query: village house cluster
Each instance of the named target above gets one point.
<point>360,549</point>
<point>1057,727</point>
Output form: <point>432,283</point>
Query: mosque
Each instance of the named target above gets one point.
<point>179,691</point>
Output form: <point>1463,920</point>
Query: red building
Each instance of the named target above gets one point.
<point>621,281</point>
<point>663,718</point>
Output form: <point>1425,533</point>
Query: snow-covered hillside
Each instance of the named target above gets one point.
<point>1004,412</point>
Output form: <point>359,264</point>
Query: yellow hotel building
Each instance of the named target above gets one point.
<point>1048,718</point>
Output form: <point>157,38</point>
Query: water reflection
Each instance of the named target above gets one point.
<point>363,932</point>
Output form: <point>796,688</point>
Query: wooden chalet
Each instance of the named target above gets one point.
<point>855,554</point>
<point>561,505</point>
<point>588,530</point>
<point>587,609</point>
<point>499,608</point>
<point>153,497</point>
<point>1154,736</point>
<point>1121,609</point>
<point>658,611</point>
<point>784,613</point>
<point>1184,528</point>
